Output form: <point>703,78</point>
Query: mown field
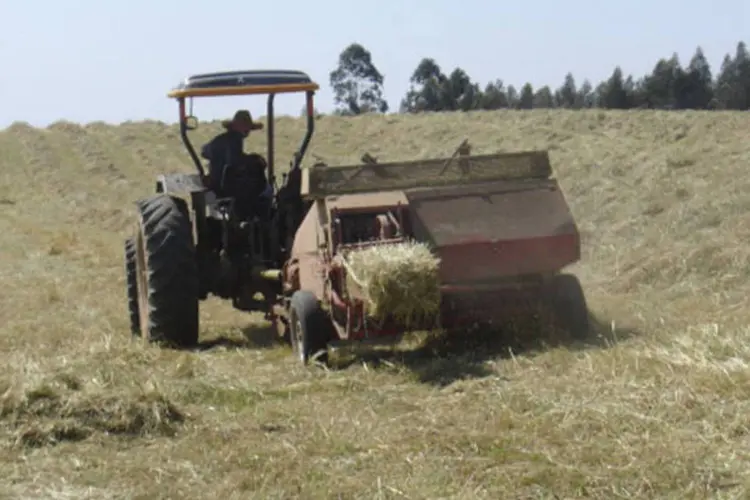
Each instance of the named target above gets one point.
<point>656,408</point>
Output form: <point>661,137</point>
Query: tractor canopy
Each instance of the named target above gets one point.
<point>248,82</point>
<point>244,83</point>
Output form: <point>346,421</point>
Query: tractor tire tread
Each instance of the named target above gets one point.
<point>132,286</point>
<point>172,270</point>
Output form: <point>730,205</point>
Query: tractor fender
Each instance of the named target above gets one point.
<point>179,184</point>
<point>190,188</point>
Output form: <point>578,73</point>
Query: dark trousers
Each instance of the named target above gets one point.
<point>245,188</point>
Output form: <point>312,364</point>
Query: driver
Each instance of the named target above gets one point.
<point>231,172</point>
<point>255,183</point>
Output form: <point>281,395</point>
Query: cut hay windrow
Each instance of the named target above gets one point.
<point>396,279</point>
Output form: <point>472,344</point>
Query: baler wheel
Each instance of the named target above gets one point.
<point>568,306</point>
<point>167,272</point>
<point>307,327</point>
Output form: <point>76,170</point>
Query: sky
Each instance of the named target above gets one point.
<point>115,60</point>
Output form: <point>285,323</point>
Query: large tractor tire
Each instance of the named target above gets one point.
<point>309,328</point>
<point>567,303</point>
<point>132,286</point>
<point>167,272</point>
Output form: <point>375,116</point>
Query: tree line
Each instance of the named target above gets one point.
<point>358,87</point>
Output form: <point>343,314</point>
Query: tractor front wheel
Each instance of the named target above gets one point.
<point>307,327</point>
<point>166,272</point>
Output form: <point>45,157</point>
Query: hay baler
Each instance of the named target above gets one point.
<point>499,223</point>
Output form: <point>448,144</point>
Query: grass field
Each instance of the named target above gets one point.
<point>658,410</point>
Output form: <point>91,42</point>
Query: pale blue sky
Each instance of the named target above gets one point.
<point>86,60</point>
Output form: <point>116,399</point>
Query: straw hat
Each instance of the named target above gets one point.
<point>244,118</point>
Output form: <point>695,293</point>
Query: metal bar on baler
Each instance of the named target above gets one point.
<point>364,178</point>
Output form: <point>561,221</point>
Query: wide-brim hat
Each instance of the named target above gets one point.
<point>242,117</point>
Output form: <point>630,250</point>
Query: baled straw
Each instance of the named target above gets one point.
<point>398,279</point>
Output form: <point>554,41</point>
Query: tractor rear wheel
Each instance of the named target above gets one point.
<point>307,327</point>
<point>131,279</point>
<point>567,303</point>
<point>167,272</point>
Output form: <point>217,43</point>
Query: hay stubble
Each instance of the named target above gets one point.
<point>661,200</point>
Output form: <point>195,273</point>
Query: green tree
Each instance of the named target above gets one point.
<point>663,87</point>
<point>632,92</point>
<point>460,93</point>
<point>743,73</point>
<point>585,97</point>
<point>426,89</point>
<point>637,93</point>
<point>357,84</point>
<point>698,89</point>
<point>513,97</point>
<point>432,90</point>
<point>566,96</point>
<point>543,98</point>
<point>725,82</point>
<point>526,99</point>
<point>614,92</point>
<point>668,86</point>
<point>494,96</point>
<point>733,82</point>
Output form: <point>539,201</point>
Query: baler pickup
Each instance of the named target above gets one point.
<point>321,181</point>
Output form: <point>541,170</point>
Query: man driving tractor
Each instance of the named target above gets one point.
<point>233,173</point>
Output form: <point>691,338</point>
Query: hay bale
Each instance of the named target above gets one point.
<point>397,279</point>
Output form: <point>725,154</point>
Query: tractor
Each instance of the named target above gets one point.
<point>189,242</point>
<point>499,223</point>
